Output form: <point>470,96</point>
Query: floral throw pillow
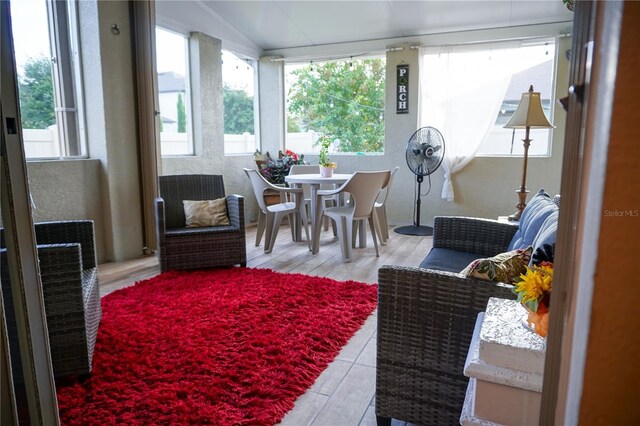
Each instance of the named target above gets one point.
<point>503,267</point>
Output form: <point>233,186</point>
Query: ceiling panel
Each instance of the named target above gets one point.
<point>334,22</point>
<point>280,24</point>
<point>444,16</point>
<point>261,21</point>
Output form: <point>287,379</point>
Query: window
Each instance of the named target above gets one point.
<point>506,142</point>
<point>48,64</point>
<point>174,93</point>
<point>238,80</point>
<point>343,99</point>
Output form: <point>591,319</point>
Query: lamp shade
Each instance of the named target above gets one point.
<point>529,113</point>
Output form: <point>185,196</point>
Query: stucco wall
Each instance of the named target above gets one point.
<point>104,188</point>
<point>66,190</point>
<point>206,79</point>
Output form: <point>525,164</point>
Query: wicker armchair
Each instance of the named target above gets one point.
<point>194,248</point>
<point>68,269</point>
<point>426,319</point>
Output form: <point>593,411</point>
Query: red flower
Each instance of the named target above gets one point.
<point>291,154</point>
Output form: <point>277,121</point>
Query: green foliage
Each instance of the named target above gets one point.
<point>182,115</point>
<point>292,125</point>
<point>238,111</point>
<point>323,157</point>
<point>35,89</point>
<point>343,100</point>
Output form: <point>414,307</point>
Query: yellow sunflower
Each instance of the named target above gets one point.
<point>533,285</point>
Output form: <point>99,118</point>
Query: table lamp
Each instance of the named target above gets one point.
<point>528,115</point>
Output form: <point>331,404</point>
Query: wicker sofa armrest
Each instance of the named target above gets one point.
<point>161,228</point>
<point>70,231</point>
<point>235,210</point>
<point>425,324</point>
<point>472,235</point>
<point>61,263</point>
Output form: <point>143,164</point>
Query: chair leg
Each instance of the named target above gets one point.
<point>372,225</point>
<point>305,223</point>
<point>277,221</point>
<point>384,224</point>
<point>269,232</point>
<point>347,232</point>
<point>262,218</point>
<point>354,234</point>
<point>383,421</point>
<point>377,221</point>
<point>342,238</point>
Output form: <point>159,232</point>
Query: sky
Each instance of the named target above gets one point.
<point>30,29</point>
<point>31,39</point>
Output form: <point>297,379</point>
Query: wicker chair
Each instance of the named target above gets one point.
<point>194,248</point>
<point>68,269</point>
<point>425,323</point>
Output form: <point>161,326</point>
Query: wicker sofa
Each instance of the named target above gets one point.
<point>68,270</point>
<point>426,315</point>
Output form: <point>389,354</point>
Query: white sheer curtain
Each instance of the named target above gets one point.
<point>461,92</point>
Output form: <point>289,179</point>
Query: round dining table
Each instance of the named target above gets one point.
<point>314,181</point>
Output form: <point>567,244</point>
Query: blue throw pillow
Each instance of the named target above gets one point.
<point>533,216</point>
<point>547,233</point>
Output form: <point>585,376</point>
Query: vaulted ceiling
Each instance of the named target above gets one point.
<point>266,27</point>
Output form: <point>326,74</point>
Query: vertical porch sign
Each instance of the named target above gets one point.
<point>402,80</point>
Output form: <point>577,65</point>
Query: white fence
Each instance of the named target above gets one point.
<point>44,143</point>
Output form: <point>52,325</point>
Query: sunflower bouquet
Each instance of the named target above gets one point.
<point>533,289</point>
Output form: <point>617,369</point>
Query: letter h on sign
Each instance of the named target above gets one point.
<point>402,103</point>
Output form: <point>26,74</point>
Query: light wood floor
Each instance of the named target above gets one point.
<point>343,395</point>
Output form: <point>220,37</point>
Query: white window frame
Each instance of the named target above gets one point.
<point>256,103</point>
<point>188,99</point>
<point>67,77</point>
<point>518,135</point>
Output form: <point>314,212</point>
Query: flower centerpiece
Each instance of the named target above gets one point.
<point>275,170</point>
<point>326,165</point>
<point>533,289</point>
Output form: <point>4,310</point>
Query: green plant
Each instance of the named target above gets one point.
<point>323,158</point>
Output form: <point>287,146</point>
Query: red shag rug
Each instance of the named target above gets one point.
<point>225,347</point>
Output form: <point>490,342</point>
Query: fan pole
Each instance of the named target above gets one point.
<point>418,202</point>
<point>416,229</point>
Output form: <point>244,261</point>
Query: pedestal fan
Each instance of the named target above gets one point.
<point>424,153</point>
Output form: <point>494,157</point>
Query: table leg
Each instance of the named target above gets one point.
<point>296,225</point>
<point>316,222</point>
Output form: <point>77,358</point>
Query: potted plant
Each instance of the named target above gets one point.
<point>326,165</point>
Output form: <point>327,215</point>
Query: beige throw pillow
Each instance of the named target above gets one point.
<point>199,214</point>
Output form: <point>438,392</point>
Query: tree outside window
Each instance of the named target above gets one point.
<point>35,86</point>
<point>238,80</point>
<point>343,99</point>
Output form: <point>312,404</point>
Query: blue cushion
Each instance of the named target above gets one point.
<point>547,233</point>
<point>533,216</point>
<point>448,260</point>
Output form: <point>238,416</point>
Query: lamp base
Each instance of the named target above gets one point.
<point>521,204</point>
<point>515,217</point>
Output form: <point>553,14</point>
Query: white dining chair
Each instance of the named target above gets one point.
<point>380,210</point>
<point>271,216</point>
<point>363,189</point>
